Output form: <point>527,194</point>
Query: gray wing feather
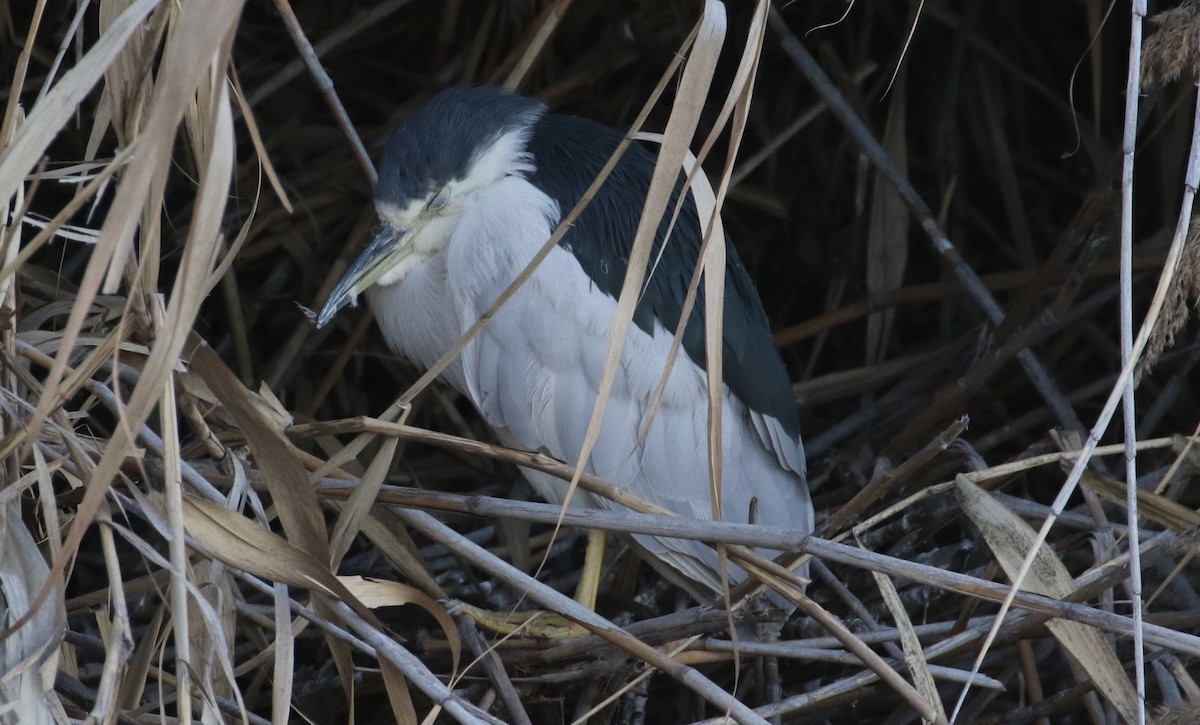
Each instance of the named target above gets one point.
<point>534,374</point>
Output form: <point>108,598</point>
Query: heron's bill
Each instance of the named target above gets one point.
<point>389,247</point>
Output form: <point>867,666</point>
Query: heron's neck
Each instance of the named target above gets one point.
<point>502,230</point>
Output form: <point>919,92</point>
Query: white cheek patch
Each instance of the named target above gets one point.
<point>429,234</point>
<point>400,216</point>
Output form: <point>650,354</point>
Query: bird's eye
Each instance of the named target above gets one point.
<point>440,200</point>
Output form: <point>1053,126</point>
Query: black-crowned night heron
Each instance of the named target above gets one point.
<point>470,187</point>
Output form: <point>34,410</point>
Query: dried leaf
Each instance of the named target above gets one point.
<point>294,498</point>
<point>1010,539</point>
<point>240,542</point>
<point>358,507</point>
<point>914,654</point>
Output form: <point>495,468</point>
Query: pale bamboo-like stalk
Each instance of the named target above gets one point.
<point>1128,146</point>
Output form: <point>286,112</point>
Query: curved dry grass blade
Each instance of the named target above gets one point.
<point>49,116</point>
<point>241,543</point>
<point>712,261</point>
<point>294,499</point>
<point>714,257</point>
<point>191,55</point>
<point>29,659</point>
<point>707,202</point>
<point>377,593</point>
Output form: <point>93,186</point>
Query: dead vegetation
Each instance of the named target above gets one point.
<point>193,501</point>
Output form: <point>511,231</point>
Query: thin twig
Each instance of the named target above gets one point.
<point>547,597</point>
<point>368,18</point>
<point>325,86</point>
<point>494,669</point>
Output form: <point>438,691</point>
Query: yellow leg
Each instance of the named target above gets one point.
<point>593,562</point>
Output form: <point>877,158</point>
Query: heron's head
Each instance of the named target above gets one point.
<point>457,144</point>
